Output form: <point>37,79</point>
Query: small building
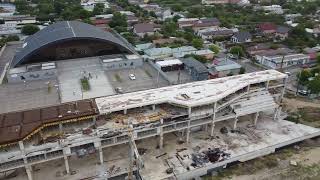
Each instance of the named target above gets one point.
<point>143,29</point>
<point>206,23</point>
<point>207,53</point>
<point>158,53</point>
<point>19,19</point>
<point>241,37</point>
<point>277,61</point>
<point>224,67</point>
<point>170,65</point>
<point>145,46</point>
<point>196,69</point>
<point>112,62</point>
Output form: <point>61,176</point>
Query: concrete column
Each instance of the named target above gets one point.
<point>60,127</point>
<point>212,128</point>
<point>189,111</point>
<point>161,135</point>
<point>267,85</point>
<point>101,155</point>
<point>125,111</point>
<point>29,172</point>
<point>153,107</point>
<point>205,127</point>
<point>277,112</point>
<point>66,162</point>
<point>21,146</point>
<point>188,132</point>
<point>94,119</point>
<point>213,118</point>
<point>235,123</point>
<point>283,90</point>
<point>256,118</point>
<point>248,88</point>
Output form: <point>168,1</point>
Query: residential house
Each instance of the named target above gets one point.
<point>241,37</point>
<point>208,54</point>
<point>274,9</point>
<point>143,29</point>
<point>206,23</point>
<point>158,53</point>
<point>312,53</point>
<point>16,20</point>
<point>187,22</point>
<point>196,69</point>
<point>222,67</point>
<point>210,33</point>
<point>267,28</point>
<point>163,41</point>
<point>239,2</point>
<point>282,32</point>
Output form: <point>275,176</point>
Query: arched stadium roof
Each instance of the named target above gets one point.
<point>66,31</point>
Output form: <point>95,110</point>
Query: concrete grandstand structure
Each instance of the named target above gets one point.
<point>39,135</point>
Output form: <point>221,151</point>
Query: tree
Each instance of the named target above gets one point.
<point>214,48</point>
<point>12,38</point>
<point>118,20</point>
<point>29,29</point>
<point>304,76</point>
<point>242,70</point>
<point>318,59</point>
<point>98,9</point>
<point>197,43</point>
<point>237,50</point>
<point>314,86</point>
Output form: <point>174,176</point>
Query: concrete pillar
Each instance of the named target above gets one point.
<point>235,123</point>
<point>267,85</point>
<point>161,135</point>
<point>205,127</point>
<point>248,88</point>
<point>283,90</point>
<point>189,111</point>
<point>125,111</point>
<point>66,162</point>
<point>277,112</point>
<point>256,118</point>
<point>153,107</point>
<point>212,128</point>
<point>101,155</point>
<point>60,127</point>
<point>21,146</point>
<point>94,119</point>
<point>29,172</point>
<point>188,133</point>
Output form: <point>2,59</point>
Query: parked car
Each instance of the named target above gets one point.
<point>119,90</point>
<point>132,76</point>
<point>303,92</point>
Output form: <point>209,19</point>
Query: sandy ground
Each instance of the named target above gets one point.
<point>294,104</point>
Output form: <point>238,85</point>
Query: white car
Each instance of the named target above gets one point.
<point>132,76</point>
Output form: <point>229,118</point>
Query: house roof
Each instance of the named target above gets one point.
<point>267,26</point>
<point>225,65</point>
<point>195,64</point>
<point>242,36</point>
<point>282,29</point>
<point>143,27</point>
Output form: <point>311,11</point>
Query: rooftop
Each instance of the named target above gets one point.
<point>190,94</point>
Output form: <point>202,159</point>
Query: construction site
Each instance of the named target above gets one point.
<point>177,132</point>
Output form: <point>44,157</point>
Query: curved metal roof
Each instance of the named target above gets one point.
<point>61,31</point>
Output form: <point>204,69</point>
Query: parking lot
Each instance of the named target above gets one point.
<point>146,77</point>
